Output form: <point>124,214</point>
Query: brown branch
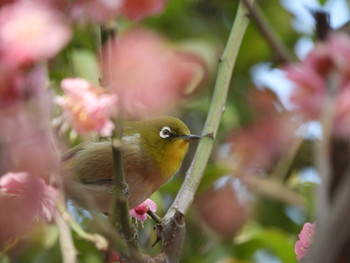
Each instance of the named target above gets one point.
<point>269,34</point>
<point>172,234</point>
<point>119,211</point>
<point>332,236</point>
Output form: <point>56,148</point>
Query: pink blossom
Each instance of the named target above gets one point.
<point>25,201</point>
<point>96,10</point>
<point>113,256</point>
<point>311,76</point>
<point>144,69</point>
<point>25,127</point>
<point>87,106</point>
<point>140,212</point>
<point>30,31</point>
<point>338,45</point>
<point>257,147</point>
<point>305,240</point>
<point>139,9</point>
<point>309,90</point>
<point>32,194</point>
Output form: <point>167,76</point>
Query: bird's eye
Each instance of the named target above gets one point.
<point>165,132</point>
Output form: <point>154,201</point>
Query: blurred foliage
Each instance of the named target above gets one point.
<point>270,229</point>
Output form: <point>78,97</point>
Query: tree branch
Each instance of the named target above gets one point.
<point>269,34</point>
<point>194,174</point>
<point>119,212</point>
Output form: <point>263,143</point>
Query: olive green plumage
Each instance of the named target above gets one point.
<point>153,151</point>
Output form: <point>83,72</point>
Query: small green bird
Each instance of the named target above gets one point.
<point>153,150</point>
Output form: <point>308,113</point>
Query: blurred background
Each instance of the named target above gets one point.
<point>258,187</point>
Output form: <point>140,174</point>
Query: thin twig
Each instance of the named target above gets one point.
<point>119,212</point>
<point>120,206</point>
<point>273,188</point>
<point>69,253</point>
<point>269,34</point>
<point>280,172</point>
<point>99,241</point>
<point>154,216</point>
<point>194,175</point>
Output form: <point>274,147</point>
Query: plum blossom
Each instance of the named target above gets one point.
<point>87,107</point>
<point>305,240</point>
<point>139,9</point>
<point>140,212</point>
<point>32,194</point>
<point>311,77</point>
<point>258,147</point>
<point>144,68</point>
<point>27,200</point>
<point>25,127</point>
<point>309,92</point>
<point>113,256</point>
<point>30,31</point>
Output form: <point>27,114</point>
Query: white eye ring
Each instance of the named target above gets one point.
<point>165,132</point>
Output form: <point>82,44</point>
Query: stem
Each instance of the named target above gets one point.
<point>99,241</point>
<point>155,217</point>
<point>194,174</point>
<point>119,211</point>
<point>69,253</point>
<point>267,31</point>
<point>120,206</point>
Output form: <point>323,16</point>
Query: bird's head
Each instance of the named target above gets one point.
<point>165,140</point>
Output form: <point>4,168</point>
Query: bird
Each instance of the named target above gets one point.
<point>152,152</point>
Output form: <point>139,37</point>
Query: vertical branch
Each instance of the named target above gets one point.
<point>119,211</point>
<point>194,175</point>
<point>334,194</point>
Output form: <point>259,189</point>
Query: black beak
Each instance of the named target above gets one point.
<point>189,137</point>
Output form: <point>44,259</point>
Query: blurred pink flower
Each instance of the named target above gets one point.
<point>139,9</point>
<point>88,107</point>
<point>31,31</point>
<point>221,209</point>
<point>140,212</point>
<point>25,201</point>
<point>311,76</point>
<point>146,74</point>
<point>113,256</point>
<point>36,197</point>
<point>96,10</point>
<point>305,240</point>
<point>26,137</point>
<point>259,146</point>
<point>309,90</point>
